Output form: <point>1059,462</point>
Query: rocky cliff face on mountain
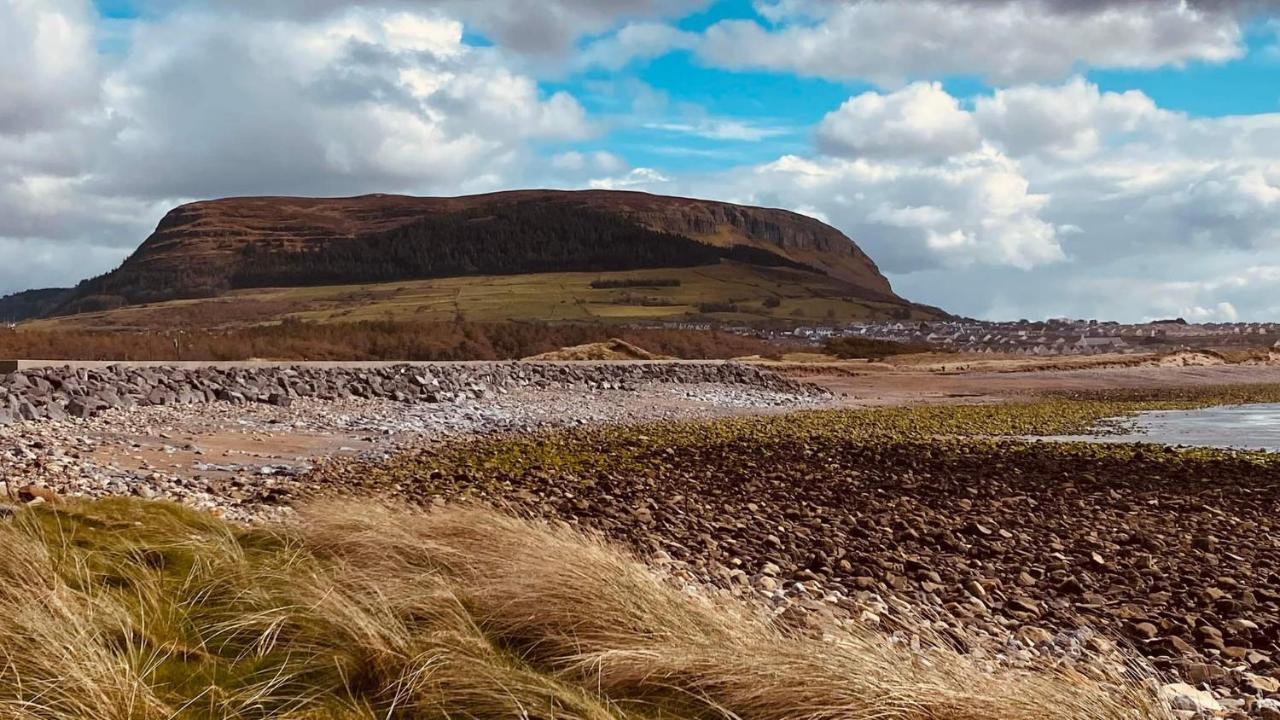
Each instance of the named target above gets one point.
<point>206,249</point>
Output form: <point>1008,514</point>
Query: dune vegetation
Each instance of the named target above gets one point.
<point>369,341</point>
<point>132,609</point>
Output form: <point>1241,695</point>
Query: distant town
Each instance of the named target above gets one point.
<point>1021,337</point>
<point>1026,337</point>
<point>1058,337</point>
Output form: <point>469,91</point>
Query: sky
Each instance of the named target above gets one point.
<point>1002,159</point>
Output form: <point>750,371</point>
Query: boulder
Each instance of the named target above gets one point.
<point>1181,696</point>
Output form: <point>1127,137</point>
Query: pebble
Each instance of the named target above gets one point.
<point>114,451</point>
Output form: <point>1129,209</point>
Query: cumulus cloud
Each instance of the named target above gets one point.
<point>1069,120</point>
<point>1046,196</point>
<point>48,60</point>
<point>205,105</point>
<point>973,208</point>
<point>1005,42</point>
<point>1089,195</point>
<point>547,27</point>
<point>1069,201</point>
<point>1072,7</point>
<point>364,100</point>
<point>552,27</point>
<point>921,120</point>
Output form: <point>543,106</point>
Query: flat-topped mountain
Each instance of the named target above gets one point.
<point>217,248</point>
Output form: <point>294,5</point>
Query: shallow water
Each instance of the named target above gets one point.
<point>1245,427</point>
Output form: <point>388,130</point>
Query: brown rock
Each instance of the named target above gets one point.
<point>1262,683</point>
<point>1071,586</point>
<point>1144,630</point>
<point>1235,652</point>
<point>1200,673</point>
<point>29,493</point>
<point>1175,645</point>
<point>1034,636</point>
<point>974,588</point>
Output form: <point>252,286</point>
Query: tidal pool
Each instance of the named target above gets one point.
<point>1243,427</point>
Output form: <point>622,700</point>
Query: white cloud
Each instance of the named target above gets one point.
<point>639,178</point>
<point>1071,119</point>
<point>1005,42</point>
<point>1222,312</point>
<point>208,105</point>
<point>576,162</point>
<point>972,208</point>
<point>48,65</point>
<point>406,31</point>
<point>1071,201</point>
<point>544,28</point>
<point>719,129</point>
<point>921,120</point>
<point>1034,199</point>
<point>635,41</point>
<point>352,103</point>
<point>552,26</point>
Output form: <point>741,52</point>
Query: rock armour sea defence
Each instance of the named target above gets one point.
<point>62,392</point>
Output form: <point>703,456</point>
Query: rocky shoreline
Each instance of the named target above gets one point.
<point>243,460</point>
<point>58,393</point>
<point>911,519</point>
<point>1029,553</point>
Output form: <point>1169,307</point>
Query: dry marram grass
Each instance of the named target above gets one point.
<point>125,609</point>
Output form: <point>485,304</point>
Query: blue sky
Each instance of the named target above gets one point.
<point>1245,86</point>
<point>996,157</point>
<point>795,103</point>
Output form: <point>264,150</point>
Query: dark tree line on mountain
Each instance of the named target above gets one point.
<point>617,283</point>
<point>114,290</point>
<point>30,304</point>
<point>522,238</point>
<point>373,341</point>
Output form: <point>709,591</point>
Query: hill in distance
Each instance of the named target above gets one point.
<point>31,304</point>
<point>530,254</point>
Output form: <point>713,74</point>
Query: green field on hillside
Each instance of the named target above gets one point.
<point>725,292</point>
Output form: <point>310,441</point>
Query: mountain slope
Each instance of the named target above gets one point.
<point>233,250</point>
<point>731,292</point>
<point>205,249</point>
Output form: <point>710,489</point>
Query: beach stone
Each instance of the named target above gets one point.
<point>31,493</point>
<point>1181,696</point>
<point>1202,673</point>
<point>1262,683</point>
<point>1034,636</point>
<point>1205,543</point>
<point>1144,630</point>
<point>56,393</point>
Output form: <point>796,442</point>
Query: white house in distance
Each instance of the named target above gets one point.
<point>1100,344</point>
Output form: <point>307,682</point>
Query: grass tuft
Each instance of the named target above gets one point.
<point>125,609</point>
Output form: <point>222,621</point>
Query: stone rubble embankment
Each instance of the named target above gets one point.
<point>58,393</point>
